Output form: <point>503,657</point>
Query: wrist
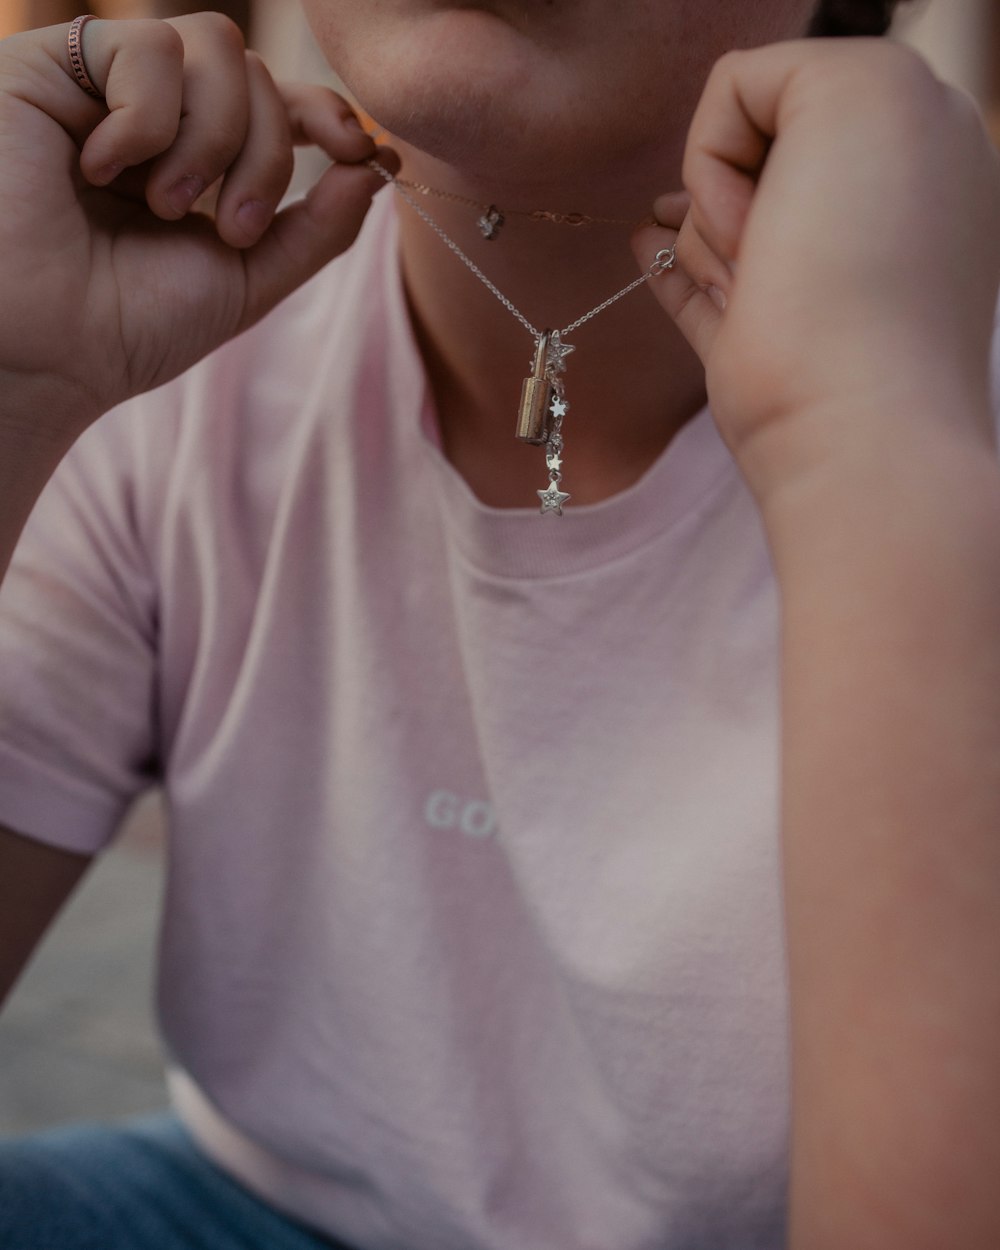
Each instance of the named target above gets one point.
<point>857,450</point>
<point>879,498</point>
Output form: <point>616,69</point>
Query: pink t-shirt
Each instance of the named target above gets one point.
<point>472,936</point>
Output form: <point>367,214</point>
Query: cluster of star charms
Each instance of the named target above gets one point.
<point>551,363</point>
<point>552,497</point>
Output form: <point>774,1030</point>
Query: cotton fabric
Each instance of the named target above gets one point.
<point>472,935</point>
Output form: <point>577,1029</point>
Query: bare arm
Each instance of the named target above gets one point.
<point>30,450</point>
<point>847,368</point>
<point>104,299</point>
<point>891,830</point>
<point>35,881</point>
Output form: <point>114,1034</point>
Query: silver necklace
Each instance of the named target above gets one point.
<point>491,218</point>
<point>543,394</point>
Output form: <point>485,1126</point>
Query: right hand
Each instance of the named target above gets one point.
<point>843,209</point>
<point>110,286</point>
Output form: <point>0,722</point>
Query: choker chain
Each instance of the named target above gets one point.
<point>543,400</point>
<point>491,218</point>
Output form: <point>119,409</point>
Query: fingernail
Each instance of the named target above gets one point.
<point>108,174</point>
<point>717,296</point>
<point>355,124</point>
<point>183,194</point>
<point>251,217</point>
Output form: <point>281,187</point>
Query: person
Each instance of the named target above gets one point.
<point>50,12</point>
<point>624,875</point>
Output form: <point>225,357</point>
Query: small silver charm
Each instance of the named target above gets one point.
<point>552,497</point>
<point>490,222</point>
<point>558,351</point>
<point>543,406</point>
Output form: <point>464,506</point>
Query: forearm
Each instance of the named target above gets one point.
<point>890,588</point>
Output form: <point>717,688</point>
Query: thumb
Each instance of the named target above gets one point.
<point>310,233</point>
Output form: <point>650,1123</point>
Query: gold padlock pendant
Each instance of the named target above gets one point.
<point>536,397</point>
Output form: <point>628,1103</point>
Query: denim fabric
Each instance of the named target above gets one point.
<point>139,1186</point>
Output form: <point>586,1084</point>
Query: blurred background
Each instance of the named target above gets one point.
<point>76,1039</point>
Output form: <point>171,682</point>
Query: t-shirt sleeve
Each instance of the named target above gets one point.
<point>78,627</point>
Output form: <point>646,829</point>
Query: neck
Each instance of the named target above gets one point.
<point>631,384</point>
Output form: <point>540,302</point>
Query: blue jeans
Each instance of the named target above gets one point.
<point>140,1186</point>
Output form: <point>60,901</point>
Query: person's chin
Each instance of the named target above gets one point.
<point>487,103</point>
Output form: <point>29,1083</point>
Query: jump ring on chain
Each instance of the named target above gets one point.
<point>665,259</point>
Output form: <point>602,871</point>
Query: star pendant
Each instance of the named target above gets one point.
<point>558,351</point>
<point>553,499</point>
<point>553,461</point>
<point>559,407</point>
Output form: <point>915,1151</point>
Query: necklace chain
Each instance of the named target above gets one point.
<point>543,403</point>
<point>664,260</point>
<point>532,214</point>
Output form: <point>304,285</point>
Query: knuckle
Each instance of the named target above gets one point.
<point>309,98</point>
<point>899,59</point>
<point>728,64</point>
<point>257,73</point>
<point>695,170</point>
<point>900,72</point>
<point>891,86</point>
<point>255,64</point>
<point>159,130</point>
<point>726,70</point>
<point>328,99</point>
<point>962,102</point>
<point>910,74</point>
<point>159,39</point>
<point>220,28</point>
<point>964,109</point>
<point>220,147</point>
<point>307,95</point>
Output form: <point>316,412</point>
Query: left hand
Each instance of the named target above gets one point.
<point>845,207</point>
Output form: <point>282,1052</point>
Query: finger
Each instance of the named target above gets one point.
<point>320,117</point>
<point>670,209</point>
<point>701,263</point>
<point>696,256</point>
<point>214,115</point>
<point>693,309</point>
<point>139,68</point>
<point>305,114</point>
<point>692,253</point>
<point>35,67</point>
<point>259,177</point>
<point>750,97</point>
<point>726,150</point>
<point>308,234</point>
